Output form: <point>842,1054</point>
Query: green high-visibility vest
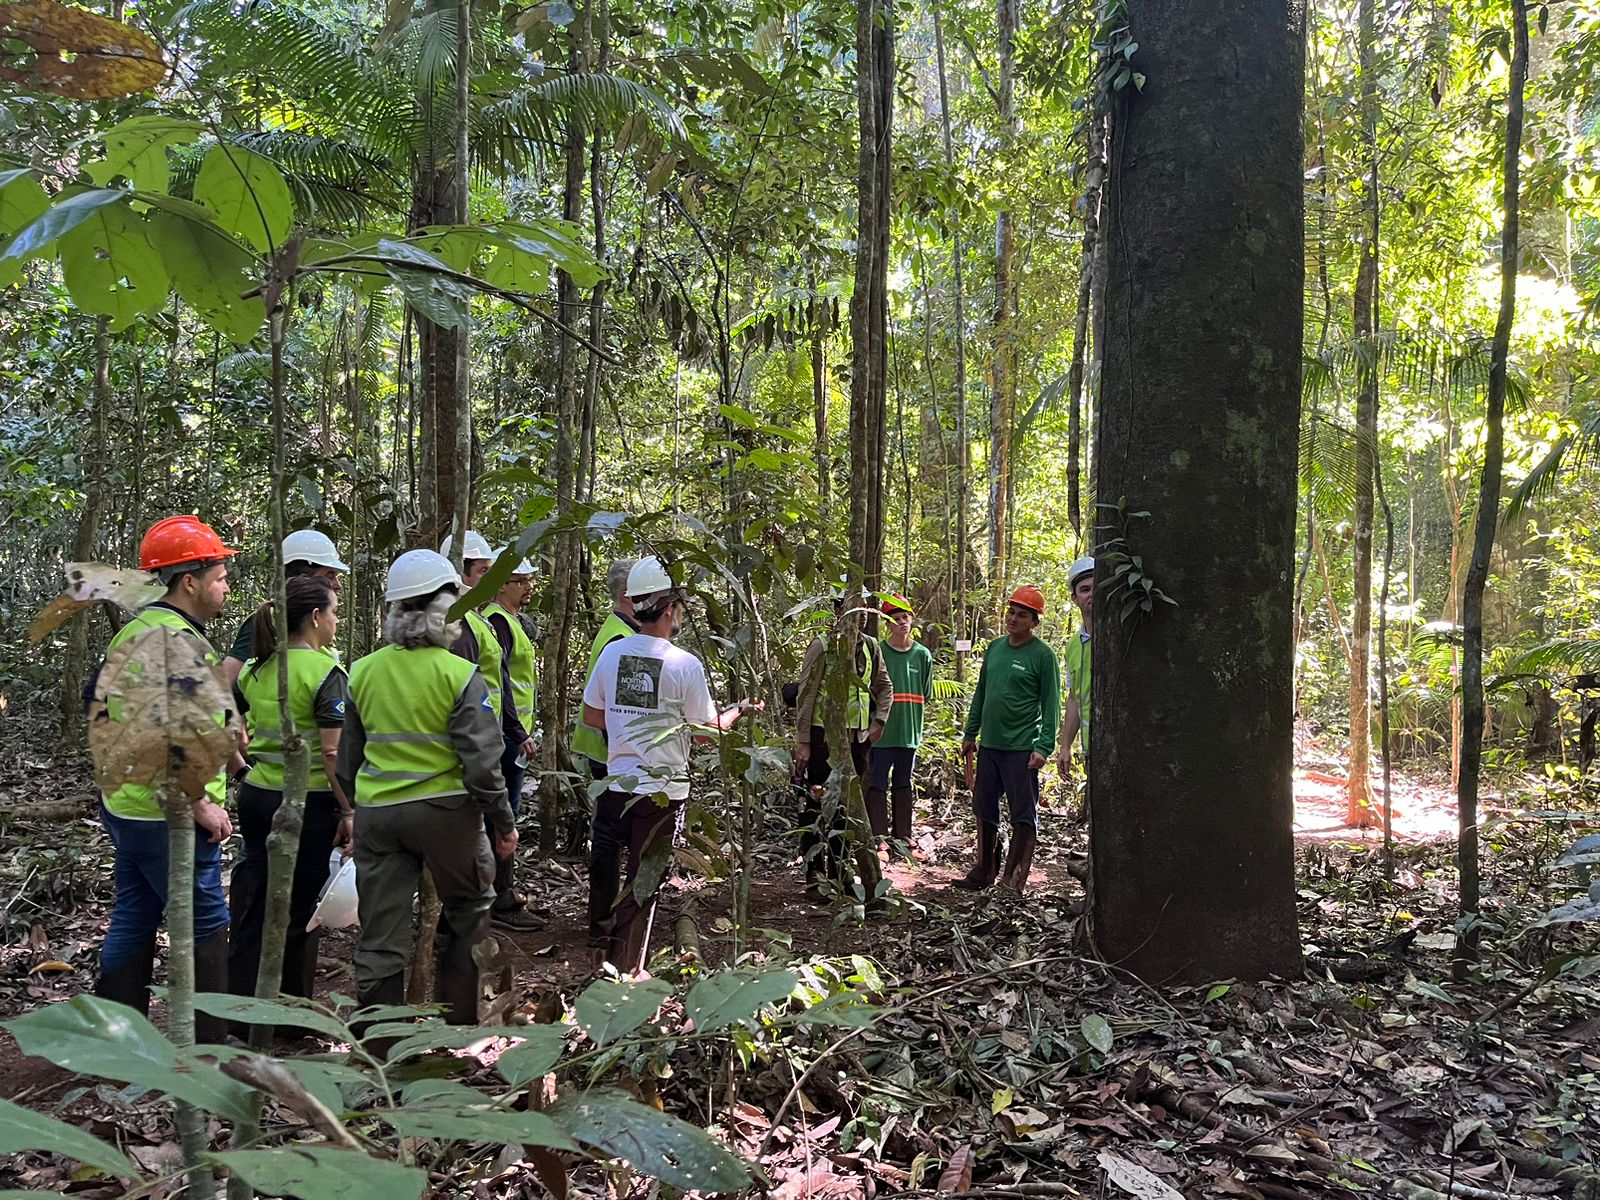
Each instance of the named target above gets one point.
<point>142,801</point>
<point>524,670</point>
<point>586,739</point>
<point>1079,658</point>
<point>405,698</point>
<point>859,705</point>
<point>308,671</point>
<point>488,659</point>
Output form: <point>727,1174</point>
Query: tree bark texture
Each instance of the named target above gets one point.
<point>1003,393</point>
<point>1358,795</point>
<point>1088,285</point>
<point>86,537</point>
<point>1191,848</point>
<point>1488,515</point>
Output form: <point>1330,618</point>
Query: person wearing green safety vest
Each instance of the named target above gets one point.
<point>421,755</point>
<point>867,704</point>
<point>305,552</point>
<point>477,643</point>
<point>318,693</point>
<point>894,758</point>
<point>511,909</point>
<point>189,558</point>
<point>1078,661</point>
<point>607,837</point>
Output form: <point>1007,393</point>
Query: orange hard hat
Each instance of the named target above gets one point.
<point>180,539</point>
<point>1029,597</point>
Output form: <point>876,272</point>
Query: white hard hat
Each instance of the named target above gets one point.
<point>419,573</point>
<point>477,547</point>
<point>307,545</point>
<point>647,577</point>
<point>338,906</point>
<point>522,568</point>
<point>1084,566</point>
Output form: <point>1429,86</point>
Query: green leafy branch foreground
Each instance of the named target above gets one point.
<point>367,1126</point>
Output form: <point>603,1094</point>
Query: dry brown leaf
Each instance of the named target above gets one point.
<point>957,1177</point>
<point>54,615</point>
<point>53,967</point>
<point>154,716</point>
<point>79,53</point>
<point>1134,1179</point>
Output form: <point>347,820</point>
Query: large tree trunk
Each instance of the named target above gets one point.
<point>1488,515</point>
<point>1358,802</point>
<point>1088,285</point>
<point>1192,851</point>
<point>1003,396</point>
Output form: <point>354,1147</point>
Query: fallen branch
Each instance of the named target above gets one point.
<point>272,1077</point>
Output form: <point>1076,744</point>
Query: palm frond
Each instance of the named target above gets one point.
<point>334,182</point>
<point>510,131</point>
<point>1328,466</point>
<point>1565,656</point>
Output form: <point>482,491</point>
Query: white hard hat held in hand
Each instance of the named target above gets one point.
<point>309,546</point>
<point>477,546</point>
<point>419,573</point>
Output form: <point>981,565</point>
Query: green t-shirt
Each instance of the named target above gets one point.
<point>1018,702</point>
<point>911,672</point>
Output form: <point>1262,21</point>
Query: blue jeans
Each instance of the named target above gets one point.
<point>141,875</point>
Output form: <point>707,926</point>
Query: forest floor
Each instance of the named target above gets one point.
<point>1005,1059</point>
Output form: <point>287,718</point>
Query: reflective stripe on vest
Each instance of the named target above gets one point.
<point>524,671</point>
<point>404,699</point>
<point>1079,659</point>
<point>860,702</point>
<point>140,801</point>
<point>586,739</point>
<point>308,671</point>
<point>488,659</point>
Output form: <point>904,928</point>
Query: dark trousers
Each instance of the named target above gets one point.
<point>1006,772</point>
<point>247,894</point>
<point>514,775</point>
<point>822,843</point>
<point>644,830</point>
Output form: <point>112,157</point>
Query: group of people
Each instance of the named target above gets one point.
<point>420,750</point>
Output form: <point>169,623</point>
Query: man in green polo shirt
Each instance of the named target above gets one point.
<point>1014,715</point>
<point>894,758</point>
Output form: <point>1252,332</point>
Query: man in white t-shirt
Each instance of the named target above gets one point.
<point>645,694</point>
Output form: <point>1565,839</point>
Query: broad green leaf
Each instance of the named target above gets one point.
<point>441,300</point>
<point>515,268</point>
<point>269,1012</point>
<point>23,1129</point>
<point>110,267</point>
<point>328,1081</point>
<point>612,1008</point>
<point>536,1054</point>
<point>136,150</point>
<point>1096,1031</point>
<point>65,215</point>
<point>673,1151</point>
<point>322,1173</point>
<point>108,1040</point>
<point>22,199</point>
<point>478,1125</point>
<point>436,1035</point>
<point>248,194</point>
<point>735,996</point>
<point>211,272</point>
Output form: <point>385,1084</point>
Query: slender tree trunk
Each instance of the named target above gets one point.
<point>1087,286</point>
<point>963,505</point>
<point>1003,395</point>
<point>1488,515</point>
<point>553,700</point>
<point>819,397</point>
<point>191,1122</point>
<point>1358,797</point>
<point>86,537</point>
<point>1192,853</point>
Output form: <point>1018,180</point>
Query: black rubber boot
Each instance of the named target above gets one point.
<point>878,812</point>
<point>211,975</point>
<point>129,982</point>
<point>904,805</point>
<point>390,991</point>
<point>1023,840</point>
<point>456,981</point>
<point>987,866</point>
<point>605,881</point>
